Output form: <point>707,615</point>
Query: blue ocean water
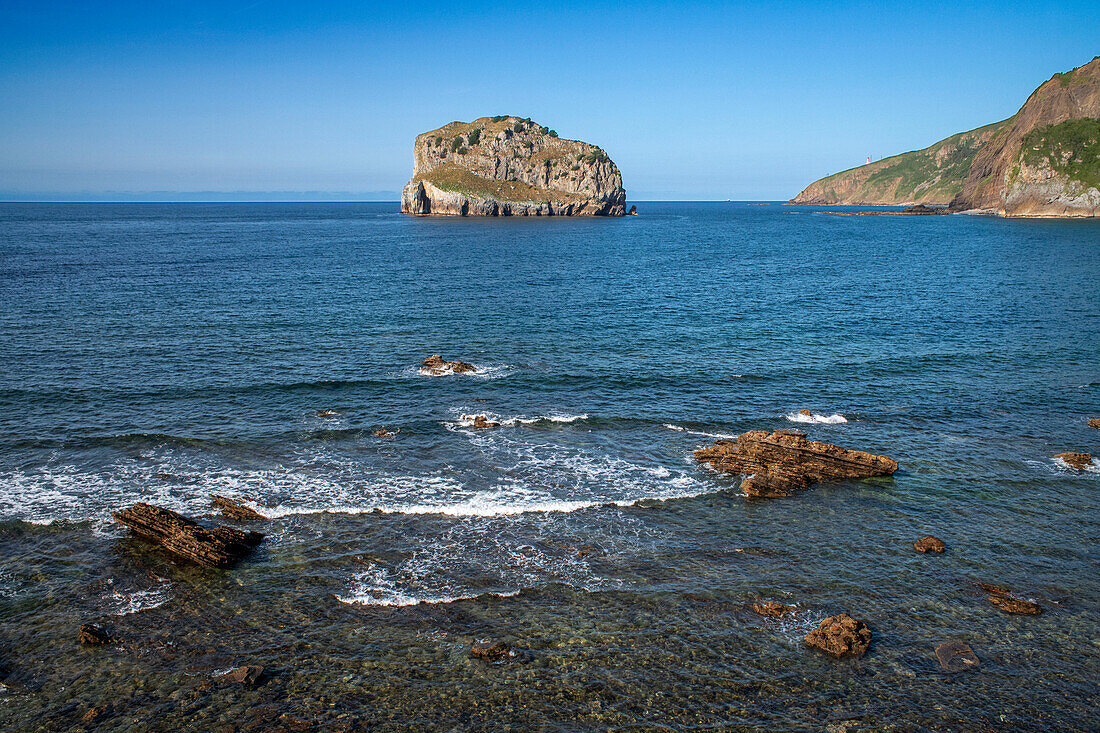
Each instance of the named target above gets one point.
<point>162,353</point>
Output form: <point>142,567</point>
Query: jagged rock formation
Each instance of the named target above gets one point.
<point>436,366</point>
<point>1044,161</point>
<point>510,166</point>
<point>932,176</point>
<point>929,543</point>
<point>1075,459</point>
<point>841,636</point>
<point>233,509</point>
<point>782,463</point>
<point>219,547</point>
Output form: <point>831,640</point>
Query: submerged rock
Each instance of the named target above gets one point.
<point>993,587</point>
<point>1080,461</point>
<point>94,634</point>
<point>248,675</point>
<point>233,509</point>
<point>327,413</point>
<point>928,543</point>
<point>772,609</point>
<point>215,548</point>
<point>436,366</point>
<point>1011,604</point>
<point>956,656</point>
<point>784,462</point>
<point>491,651</point>
<point>841,636</point>
<point>93,714</point>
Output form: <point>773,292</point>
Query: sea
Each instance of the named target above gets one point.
<point>165,352</point>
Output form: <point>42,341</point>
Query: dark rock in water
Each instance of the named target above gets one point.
<point>491,651</point>
<point>1094,422</point>
<point>247,676</point>
<point>1080,461</point>
<point>841,636</point>
<point>327,413</point>
<point>633,211</point>
<point>993,587</point>
<point>928,543</point>
<point>234,509</point>
<point>93,714</point>
<point>784,462</point>
<point>383,433</point>
<point>436,366</point>
<point>94,634</point>
<point>956,656</point>
<point>772,609</point>
<point>923,210</point>
<point>481,422</point>
<point>1011,604</point>
<point>215,548</point>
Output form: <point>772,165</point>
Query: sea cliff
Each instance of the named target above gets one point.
<point>1044,161</point>
<point>510,166</point>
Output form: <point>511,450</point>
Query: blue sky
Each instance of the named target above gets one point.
<point>692,100</point>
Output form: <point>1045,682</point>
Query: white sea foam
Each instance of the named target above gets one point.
<point>834,419</point>
<point>489,371</point>
<point>140,600</point>
<point>719,436</point>
<point>467,420</point>
<point>1092,467</point>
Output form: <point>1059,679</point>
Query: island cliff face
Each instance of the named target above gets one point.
<point>1044,161</point>
<point>510,166</point>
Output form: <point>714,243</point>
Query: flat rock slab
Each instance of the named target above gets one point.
<point>956,656</point>
<point>928,543</point>
<point>782,463</point>
<point>233,509</point>
<point>841,636</point>
<point>1011,604</point>
<point>219,547</point>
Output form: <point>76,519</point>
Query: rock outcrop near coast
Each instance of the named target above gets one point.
<point>1044,161</point>
<point>783,463</point>
<point>219,547</point>
<point>510,166</point>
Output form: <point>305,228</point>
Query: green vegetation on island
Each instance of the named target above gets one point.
<point>1071,148</point>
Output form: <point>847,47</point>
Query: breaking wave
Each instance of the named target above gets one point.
<point>834,419</point>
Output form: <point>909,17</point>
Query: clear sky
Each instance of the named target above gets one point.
<point>320,99</point>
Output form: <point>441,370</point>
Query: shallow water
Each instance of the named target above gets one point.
<point>165,352</point>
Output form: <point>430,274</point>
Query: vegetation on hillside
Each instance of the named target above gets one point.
<point>1071,148</point>
<point>451,177</point>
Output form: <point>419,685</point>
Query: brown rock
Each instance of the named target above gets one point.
<point>481,422</point>
<point>772,609</point>
<point>247,676</point>
<point>784,462</point>
<point>1076,460</point>
<point>234,509</point>
<point>491,651</point>
<point>928,543</point>
<point>327,413</point>
<point>956,656</point>
<point>841,636</point>
<point>993,588</point>
<point>1094,422</point>
<point>436,366</point>
<point>1011,604</point>
<point>383,433</point>
<point>215,548</point>
<point>93,714</point>
<point>93,634</point>
<point>805,412</point>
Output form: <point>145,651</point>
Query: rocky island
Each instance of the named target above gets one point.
<point>1044,161</point>
<point>510,166</point>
